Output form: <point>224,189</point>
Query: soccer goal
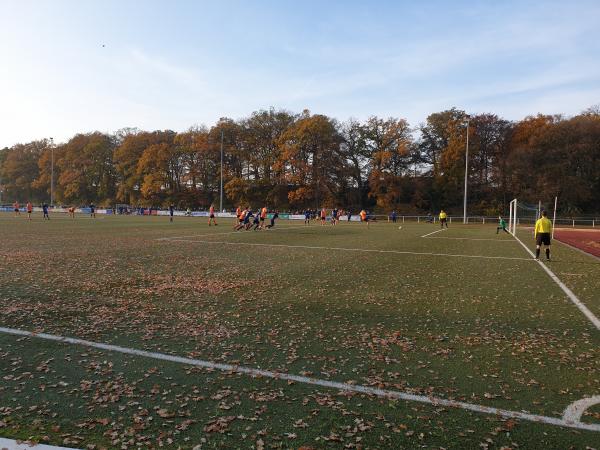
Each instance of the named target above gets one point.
<point>524,213</point>
<point>121,208</point>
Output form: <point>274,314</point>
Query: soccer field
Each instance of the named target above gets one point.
<point>301,336</point>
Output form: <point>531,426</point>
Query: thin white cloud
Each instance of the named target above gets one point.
<point>189,77</point>
<point>498,58</point>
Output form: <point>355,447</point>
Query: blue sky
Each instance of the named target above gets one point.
<point>174,64</point>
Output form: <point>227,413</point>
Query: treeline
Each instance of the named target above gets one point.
<point>294,161</point>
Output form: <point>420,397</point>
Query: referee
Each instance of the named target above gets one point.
<point>443,219</point>
<point>543,228</point>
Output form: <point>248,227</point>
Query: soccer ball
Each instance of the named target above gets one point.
<point>399,228</point>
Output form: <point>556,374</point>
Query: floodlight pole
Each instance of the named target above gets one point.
<point>466,172</point>
<point>221,197</point>
<point>51,172</point>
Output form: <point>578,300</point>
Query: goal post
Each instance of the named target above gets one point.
<point>512,217</point>
<point>554,216</point>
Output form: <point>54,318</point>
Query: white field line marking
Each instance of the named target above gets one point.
<point>471,239</point>
<point>433,232</point>
<point>575,410</point>
<point>10,444</point>
<point>55,216</point>
<point>398,395</point>
<point>224,234</point>
<point>345,249</point>
<point>590,315</point>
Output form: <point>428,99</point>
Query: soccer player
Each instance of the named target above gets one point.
<point>501,225</point>
<point>334,216</point>
<point>238,213</point>
<point>275,216</point>
<point>45,211</point>
<point>93,211</point>
<point>364,217</point>
<point>241,216</point>
<point>394,216</point>
<point>256,222</point>
<point>16,208</point>
<point>443,219</point>
<point>247,217</point>
<point>211,215</point>
<point>263,216</point>
<point>29,210</point>
<point>307,214</point>
<point>323,216</point>
<point>543,228</point>
<point>349,214</point>
<point>72,212</point>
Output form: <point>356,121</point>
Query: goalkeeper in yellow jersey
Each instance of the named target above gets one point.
<point>542,232</point>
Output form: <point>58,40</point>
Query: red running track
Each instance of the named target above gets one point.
<point>586,240</point>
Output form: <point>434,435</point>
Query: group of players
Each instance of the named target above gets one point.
<point>29,210</point>
<point>245,215</point>
<point>45,210</point>
<point>335,216</point>
<point>249,220</point>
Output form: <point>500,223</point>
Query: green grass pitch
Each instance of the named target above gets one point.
<point>462,314</point>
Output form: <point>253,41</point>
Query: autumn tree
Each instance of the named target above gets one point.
<point>357,155</point>
<point>161,169</point>
<point>126,158</point>
<point>201,165</point>
<point>551,156</point>
<point>311,160</point>
<point>87,174</point>
<point>488,149</point>
<point>43,181</point>
<point>261,133</point>
<point>389,143</point>
<point>19,171</point>
<point>295,161</point>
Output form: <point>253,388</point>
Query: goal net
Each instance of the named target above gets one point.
<point>522,213</point>
<point>121,208</point>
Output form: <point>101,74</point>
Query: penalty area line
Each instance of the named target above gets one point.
<point>472,239</point>
<point>358,250</point>
<point>584,309</point>
<point>433,232</point>
<point>238,232</point>
<point>345,387</point>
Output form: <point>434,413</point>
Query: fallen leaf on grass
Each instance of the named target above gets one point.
<point>218,425</point>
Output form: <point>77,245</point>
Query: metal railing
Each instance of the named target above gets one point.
<point>560,221</point>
